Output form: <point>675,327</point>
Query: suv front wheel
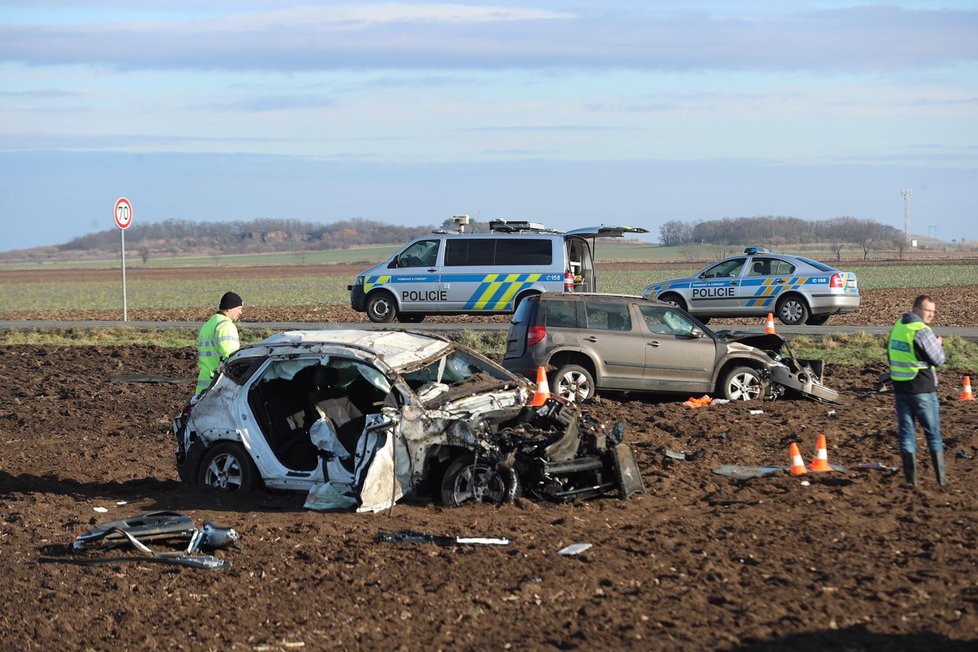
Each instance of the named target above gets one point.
<point>742,384</point>
<point>574,382</point>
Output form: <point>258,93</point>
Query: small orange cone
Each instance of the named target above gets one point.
<point>769,325</point>
<point>797,465</point>
<point>966,394</point>
<point>542,393</point>
<point>820,462</point>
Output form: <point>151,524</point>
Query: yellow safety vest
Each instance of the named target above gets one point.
<point>904,365</point>
<point>216,341</point>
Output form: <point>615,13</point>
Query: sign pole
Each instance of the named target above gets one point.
<point>122,214</point>
<point>125,311</point>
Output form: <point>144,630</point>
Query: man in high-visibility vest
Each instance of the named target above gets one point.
<point>218,338</point>
<point>914,352</point>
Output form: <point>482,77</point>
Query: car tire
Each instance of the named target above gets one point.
<point>573,382</point>
<point>742,384</point>
<point>411,318</point>
<point>228,467</point>
<point>677,301</point>
<point>817,320</point>
<point>792,310</point>
<point>458,485</point>
<point>381,307</point>
<point>702,320</point>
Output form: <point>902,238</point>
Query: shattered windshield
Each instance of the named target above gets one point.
<point>457,369</point>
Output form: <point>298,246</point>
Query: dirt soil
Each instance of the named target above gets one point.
<point>845,560</point>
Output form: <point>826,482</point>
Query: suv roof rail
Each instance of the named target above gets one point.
<point>518,226</point>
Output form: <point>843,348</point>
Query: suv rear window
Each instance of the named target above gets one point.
<point>561,314</point>
<point>608,316</point>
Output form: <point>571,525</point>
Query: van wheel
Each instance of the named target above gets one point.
<point>574,382</point>
<point>381,308</point>
<point>228,467</point>
<point>742,384</point>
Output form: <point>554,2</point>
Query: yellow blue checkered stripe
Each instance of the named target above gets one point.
<point>497,291</point>
<point>767,290</point>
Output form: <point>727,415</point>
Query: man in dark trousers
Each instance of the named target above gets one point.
<point>914,352</point>
<point>218,338</point>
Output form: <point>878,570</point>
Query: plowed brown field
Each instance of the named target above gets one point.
<point>853,560</point>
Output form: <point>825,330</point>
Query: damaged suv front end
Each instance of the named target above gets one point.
<point>384,414</point>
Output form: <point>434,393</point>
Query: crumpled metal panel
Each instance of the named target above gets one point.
<point>398,349</point>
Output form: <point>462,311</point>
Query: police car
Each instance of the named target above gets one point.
<point>486,273</point>
<point>798,290</point>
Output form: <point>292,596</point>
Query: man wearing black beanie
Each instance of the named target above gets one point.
<point>218,338</point>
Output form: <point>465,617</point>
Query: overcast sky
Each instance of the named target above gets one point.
<point>571,113</point>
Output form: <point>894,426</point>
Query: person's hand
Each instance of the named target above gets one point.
<point>940,340</point>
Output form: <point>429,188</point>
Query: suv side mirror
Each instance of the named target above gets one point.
<point>696,332</point>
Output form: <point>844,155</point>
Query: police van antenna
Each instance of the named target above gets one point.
<point>460,222</point>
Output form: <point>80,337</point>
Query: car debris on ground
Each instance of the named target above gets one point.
<point>162,526</point>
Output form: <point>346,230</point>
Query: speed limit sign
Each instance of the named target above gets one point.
<point>122,213</point>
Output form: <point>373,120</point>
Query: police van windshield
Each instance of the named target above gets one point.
<point>423,253</point>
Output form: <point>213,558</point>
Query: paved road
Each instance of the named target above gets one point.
<point>967,333</point>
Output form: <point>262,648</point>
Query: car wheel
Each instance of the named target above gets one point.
<point>742,384</point>
<point>817,320</point>
<point>412,318</point>
<point>792,310</point>
<point>381,308</point>
<point>465,482</point>
<point>677,301</point>
<point>703,320</point>
<point>227,466</point>
<point>573,382</point>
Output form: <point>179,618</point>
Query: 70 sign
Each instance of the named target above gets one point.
<point>122,213</point>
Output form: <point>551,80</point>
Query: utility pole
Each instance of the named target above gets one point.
<point>906,215</point>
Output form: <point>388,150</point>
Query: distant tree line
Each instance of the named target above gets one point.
<point>766,230</point>
<point>265,235</point>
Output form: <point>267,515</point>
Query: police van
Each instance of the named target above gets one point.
<point>484,273</point>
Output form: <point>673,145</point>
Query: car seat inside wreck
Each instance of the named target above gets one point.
<point>293,394</point>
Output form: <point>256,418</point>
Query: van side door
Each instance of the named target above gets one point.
<point>416,278</point>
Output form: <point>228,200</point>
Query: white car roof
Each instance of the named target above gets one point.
<point>398,348</point>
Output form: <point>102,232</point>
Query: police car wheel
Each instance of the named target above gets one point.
<point>675,300</point>
<point>792,310</point>
<point>228,467</point>
<point>381,308</point>
<point>574,382</point>
<point>817,320</point>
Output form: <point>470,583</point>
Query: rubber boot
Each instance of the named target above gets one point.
<point>937,457</point>
<point>909,467</point>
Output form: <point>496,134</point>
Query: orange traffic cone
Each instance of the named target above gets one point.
<point>769,325</point>
<point>820,462</point>
<point>966,394</point>
<point>542,393</point>
<point>797,465</point>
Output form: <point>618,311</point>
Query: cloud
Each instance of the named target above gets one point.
<point>459,36</point>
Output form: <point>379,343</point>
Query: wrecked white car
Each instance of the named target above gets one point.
<point>376,415</point>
